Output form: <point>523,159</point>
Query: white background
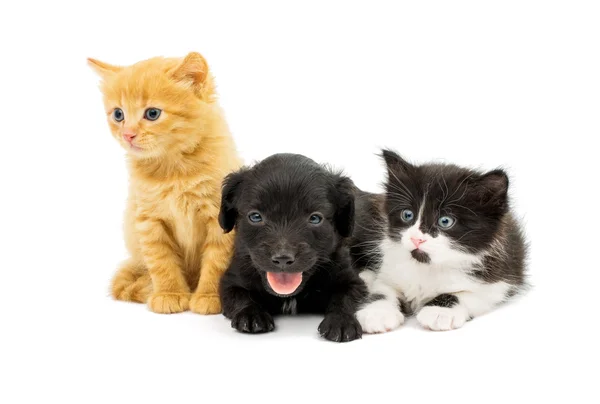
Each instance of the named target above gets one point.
<point>486,84</point>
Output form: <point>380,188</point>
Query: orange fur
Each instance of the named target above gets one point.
<point>171,229</point>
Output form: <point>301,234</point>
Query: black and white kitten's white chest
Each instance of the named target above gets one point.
<point>444,294</point>
<point>418,283</point>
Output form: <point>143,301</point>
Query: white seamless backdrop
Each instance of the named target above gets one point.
<point>511,84</point>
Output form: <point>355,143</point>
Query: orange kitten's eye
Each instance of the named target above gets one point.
<point>118,114</point>
<point>152,114</point>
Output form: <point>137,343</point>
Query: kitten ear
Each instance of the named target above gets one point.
<point>194,70</point>
<point>232,185</point>
<point>103,69</point>
<point>344,212</point>
<point>395,163</point>
<point>492,188</point>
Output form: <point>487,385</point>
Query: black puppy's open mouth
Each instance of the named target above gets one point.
<point>284,283</point>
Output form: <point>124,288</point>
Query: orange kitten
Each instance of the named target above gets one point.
<point>163,111</point>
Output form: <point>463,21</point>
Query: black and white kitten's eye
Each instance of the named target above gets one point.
<point>407,215</point>
<point>255,217</point>
<point>118,114</point>
<point>315,219</point>
<point>445,222</point>
<point>152,114</point>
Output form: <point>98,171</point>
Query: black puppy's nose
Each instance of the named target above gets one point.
<point>283,260</point>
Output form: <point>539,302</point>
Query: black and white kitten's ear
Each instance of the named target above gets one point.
<point>492,189</point>
<point>103,70</point>
<point>194,71</point>
<point>344,201</point>
<point>395,164</point>
<point>232,186</point>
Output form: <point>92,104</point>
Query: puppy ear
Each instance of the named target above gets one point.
<point>344,212</point>
<point>229,197</point>
<point>395,164</point>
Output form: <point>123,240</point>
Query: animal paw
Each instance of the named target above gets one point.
<point>167,303</point>
<point>205,304</point>
<point>437,318</point>
<point>253,320</point>
<point>131,284</point>
<point>340,328</point>
<point>380,316</point>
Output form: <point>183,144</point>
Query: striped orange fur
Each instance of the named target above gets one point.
<point>177,162</point>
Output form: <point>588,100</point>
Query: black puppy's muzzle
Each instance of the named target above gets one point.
<point>284,260</point>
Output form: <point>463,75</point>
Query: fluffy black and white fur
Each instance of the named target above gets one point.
<point>441,243</point>
<point>274,207</point>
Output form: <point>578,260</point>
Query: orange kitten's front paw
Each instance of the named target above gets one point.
<point>205,304</point>
<point>166,303</point>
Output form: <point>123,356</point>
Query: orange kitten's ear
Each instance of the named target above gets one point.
<point>194,70</point>
<point>103,69</point>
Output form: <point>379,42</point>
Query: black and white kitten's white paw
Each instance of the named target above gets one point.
<point>380,316</point>
<point>438,318</point>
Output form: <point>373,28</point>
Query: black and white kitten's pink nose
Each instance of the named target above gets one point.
<point>417,241</point>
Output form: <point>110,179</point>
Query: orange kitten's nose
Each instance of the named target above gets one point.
<point>128,136</point>
<point>417,241</point>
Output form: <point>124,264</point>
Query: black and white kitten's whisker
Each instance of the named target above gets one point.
<point>405,188</point>
<point>461,207</point>
<point>468,177</point>
<point>461,237</point>
<point>400,197</point>
<point>445,191</point>
<point>369,243</point>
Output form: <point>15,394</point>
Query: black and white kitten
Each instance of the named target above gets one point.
<point>441,243</point>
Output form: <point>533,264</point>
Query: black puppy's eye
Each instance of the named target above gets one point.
<point>315,218</point>
<point>118,115</point>
<point>255,217</point>
<point>152,114</point>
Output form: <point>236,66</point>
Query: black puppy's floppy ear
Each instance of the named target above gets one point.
<point>344,201</point>
<point>230,194</point>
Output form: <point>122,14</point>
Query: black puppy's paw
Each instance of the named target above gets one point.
<point>340,327</point>
<point>253,320</point>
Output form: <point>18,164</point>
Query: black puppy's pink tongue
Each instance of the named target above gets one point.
<point>283,283</point>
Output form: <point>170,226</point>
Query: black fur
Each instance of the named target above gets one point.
<point>404,307</point>
<point>374,297</point>
<point>478,201</point>
<point>443,300</point>
<point>286,189</point>
<point>368,230</point>
<point>421,256</point>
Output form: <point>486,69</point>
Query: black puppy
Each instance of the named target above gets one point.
<point>292,217</point>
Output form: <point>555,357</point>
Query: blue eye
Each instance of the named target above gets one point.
<point>315,219</point>
<point>445,222</point>
<point>255,217</point>
<point>152,114</point>
<point>407,215</point>
<point>118,115</point>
